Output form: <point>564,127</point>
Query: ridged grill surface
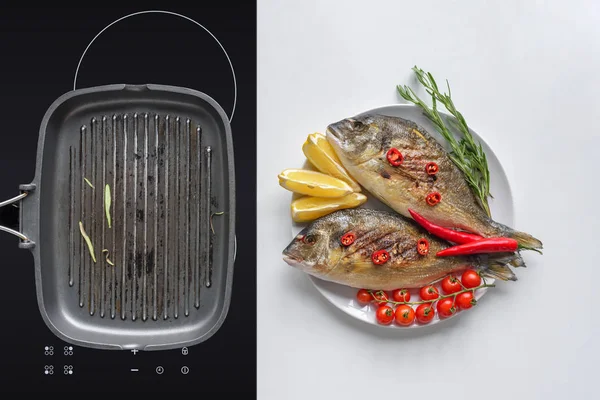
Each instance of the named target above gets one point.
<point>159,240</point>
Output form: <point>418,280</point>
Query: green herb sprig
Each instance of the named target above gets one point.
<point>107,202</point>
<point>88,241</point>
<point>468,156</point>
<point>88,182</point>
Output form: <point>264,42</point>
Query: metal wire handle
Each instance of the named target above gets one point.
<point>9,230</point>
<point>169,13</point>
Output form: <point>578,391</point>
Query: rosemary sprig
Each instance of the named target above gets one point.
<point>88,182</point>
<point>211,224</point>
<point>107,259</point>
<point>88,241</point>
<point>468,155</point>
<point>107,201</point>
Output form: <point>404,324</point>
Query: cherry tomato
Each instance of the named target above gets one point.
<point>446,308</point>
<point>385,315</point>
<point>429,293</point>
<point>380,298</point>
<point>404,315</point>
<point>425,313</point>
<point>450,284</point>
<point>401,295</point>
<point>470,278</point>
<point>465,300</point>
<point>363,296</point>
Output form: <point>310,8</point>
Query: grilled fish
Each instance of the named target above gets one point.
<point>362,144</point>
<point>320,251</point>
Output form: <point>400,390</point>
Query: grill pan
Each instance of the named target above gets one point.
<point>163,269</point>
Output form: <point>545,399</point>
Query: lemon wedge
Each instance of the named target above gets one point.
<point>319,152</point>
<point>313,183</point>
<point>309,208</point>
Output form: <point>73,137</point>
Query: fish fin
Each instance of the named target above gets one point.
<point>498,271</point>
<point>513,259</point>
<point>517,261</point>
<point>497,266</point>
<point>525,240</point>
<point>362,264</point>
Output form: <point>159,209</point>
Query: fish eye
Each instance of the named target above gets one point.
<point>357,124</point>
<point>309,239</point>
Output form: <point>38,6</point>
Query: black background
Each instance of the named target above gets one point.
<point>39,52</point>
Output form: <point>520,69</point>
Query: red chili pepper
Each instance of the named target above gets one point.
<point>444,233</point>
<point>380,257</point>
<point>432,168</point>
<point>486,245</point>
<point>395,157</point>
<point>423,246</point>
<point>348,239</point>
<point>433,198</point>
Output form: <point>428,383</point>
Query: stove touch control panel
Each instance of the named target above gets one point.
<point>71,361</point>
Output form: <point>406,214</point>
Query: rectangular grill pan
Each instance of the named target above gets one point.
<point>166,152</point>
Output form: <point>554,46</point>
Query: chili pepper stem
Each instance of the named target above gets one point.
<point>521,247</point>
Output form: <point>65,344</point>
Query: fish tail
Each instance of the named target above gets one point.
<point>497,266</point>
<point>525,240</point>
<point>517,261</point>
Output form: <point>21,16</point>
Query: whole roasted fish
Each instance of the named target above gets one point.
<point>343,247</point>
<point>363,145</point>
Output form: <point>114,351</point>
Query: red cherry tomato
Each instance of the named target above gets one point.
<point>425,313</point>
<point>404,315</point>
<point>450,284</point>
<point>470,278</point>
<point>394,157</point>
<point>385,315</point>
<point>446,308</point>
<point>401,295</point>
<point>429,293</point>
<point>381,298</point>
<point>465,300</point>
<point>363,296</point>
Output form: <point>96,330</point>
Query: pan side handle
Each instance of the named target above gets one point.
<point>11,215</point>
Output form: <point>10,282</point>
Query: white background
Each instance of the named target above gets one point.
<point>526,76</point>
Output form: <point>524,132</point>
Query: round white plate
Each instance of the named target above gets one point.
<point>344,297</point>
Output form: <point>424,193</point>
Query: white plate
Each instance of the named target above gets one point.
<point>501,206</point>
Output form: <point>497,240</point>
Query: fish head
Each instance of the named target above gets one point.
<point>357,139</point>
<point>312,250</point>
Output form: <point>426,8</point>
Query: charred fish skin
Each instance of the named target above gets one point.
<point>362,142</point>
<point>318,251</point>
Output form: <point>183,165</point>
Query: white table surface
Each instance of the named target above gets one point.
<point>526,76</point>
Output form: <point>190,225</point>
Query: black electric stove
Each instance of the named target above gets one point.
<point>40,50</point>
